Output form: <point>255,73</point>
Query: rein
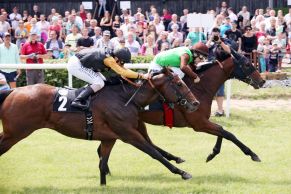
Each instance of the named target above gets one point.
<point>181,100</point>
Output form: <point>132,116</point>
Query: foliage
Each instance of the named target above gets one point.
<point>48,162</point>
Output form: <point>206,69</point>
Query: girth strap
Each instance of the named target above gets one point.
<point>89,124</point>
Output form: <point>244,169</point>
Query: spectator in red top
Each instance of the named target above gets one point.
<point>167,17</point>
<point>56,27</point>
<point>34,52</point>
<point>82,13</point>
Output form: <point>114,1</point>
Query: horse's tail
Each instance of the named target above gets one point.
<point>3,95</point>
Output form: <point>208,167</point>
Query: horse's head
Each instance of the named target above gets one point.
<point>244,71</point>
<point>174,90</point>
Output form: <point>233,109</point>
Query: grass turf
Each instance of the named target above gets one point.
<point>47,162</point>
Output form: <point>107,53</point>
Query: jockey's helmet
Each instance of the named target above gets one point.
<point>123,54</point>
<point>200,48</point>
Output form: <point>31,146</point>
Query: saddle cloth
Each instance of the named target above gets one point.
<point>63,99</point>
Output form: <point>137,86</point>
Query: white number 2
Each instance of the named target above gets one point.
<point>64,101</point>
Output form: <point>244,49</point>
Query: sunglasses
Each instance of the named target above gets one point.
<point>248,29</point>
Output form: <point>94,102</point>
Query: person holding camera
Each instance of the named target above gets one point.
<point>217,44</point>
<point>34,51</point>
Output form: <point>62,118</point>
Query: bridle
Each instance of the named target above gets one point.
<point>181,97</point>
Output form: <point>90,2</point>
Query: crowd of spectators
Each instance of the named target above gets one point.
<point>265,32</point>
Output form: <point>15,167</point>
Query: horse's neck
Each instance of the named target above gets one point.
<point>145,96</point>
<point>211,80</point>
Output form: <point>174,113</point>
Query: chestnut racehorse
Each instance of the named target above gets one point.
<point>212,75</point>
<point>26,109</point>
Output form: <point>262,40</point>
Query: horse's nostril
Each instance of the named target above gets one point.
<point>196,103</point>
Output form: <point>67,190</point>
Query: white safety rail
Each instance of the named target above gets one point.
<point>127,65</point>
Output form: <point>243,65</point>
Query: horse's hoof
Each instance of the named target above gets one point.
<point>180,160</point>
<point>256,158</point>
<point>210,157</point>
<point>186,176</point>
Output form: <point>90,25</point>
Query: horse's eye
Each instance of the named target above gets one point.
<point>179,84</point>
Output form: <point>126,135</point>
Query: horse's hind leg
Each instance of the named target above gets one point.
<point>142,129</point>
<point>104,152</point>
<point>6,143</point>
<point>12,134</point>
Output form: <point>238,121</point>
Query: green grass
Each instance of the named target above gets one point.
<point>240,90</point>
<point>47,162</point>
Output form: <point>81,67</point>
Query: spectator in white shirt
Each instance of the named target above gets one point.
<point>97,36</point>
<point>4,26</point>
<point>231,14</point>
<point>116,40</point>
<point>132,44</point>
<point>14,18</point>
<point>104,42</point>
<point>287,17</point>
<point>246,16</point>
<point>160,27</point>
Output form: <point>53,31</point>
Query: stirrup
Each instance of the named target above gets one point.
<point>78,104</point>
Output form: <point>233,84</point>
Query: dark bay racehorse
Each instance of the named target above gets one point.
<point>212,77</point>
<point>26,109</point>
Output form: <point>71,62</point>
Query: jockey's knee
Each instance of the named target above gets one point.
<point>97,86</point>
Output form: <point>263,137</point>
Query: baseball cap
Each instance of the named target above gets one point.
<point>106,33</point>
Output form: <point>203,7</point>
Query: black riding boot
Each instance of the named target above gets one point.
<point>82,98</point>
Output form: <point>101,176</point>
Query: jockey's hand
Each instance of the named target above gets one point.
<point>196,80</point>
<point>145,76</point>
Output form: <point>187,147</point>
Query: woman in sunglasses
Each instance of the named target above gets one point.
<point>181,59</point>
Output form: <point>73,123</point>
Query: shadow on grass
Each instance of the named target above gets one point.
<point>110,189</point>
<point>198,184</point>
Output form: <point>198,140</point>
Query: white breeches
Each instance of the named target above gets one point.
<point>75,68</point>
<point>156,67</point>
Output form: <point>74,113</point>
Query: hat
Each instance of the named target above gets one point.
<point>7,34</point>
<point>106,33</point>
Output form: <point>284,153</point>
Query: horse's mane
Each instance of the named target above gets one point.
<point>204,66</point>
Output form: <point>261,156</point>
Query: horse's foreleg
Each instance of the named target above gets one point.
<point>217,130</point>
<point>247,151</point>
<point>216,149</point>
<point>104,152</point>
<point>138,141</point>
<point>142,129</point>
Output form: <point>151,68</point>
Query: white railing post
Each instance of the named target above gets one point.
<point>70,80</point>
<point>228,95</point>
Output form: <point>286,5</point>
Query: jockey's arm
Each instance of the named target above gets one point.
<point>110,62</point>
<point>185,67</point>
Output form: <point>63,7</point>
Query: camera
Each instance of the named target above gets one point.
<point>216,38</point>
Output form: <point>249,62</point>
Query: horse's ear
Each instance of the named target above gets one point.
<point>166,70</point>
